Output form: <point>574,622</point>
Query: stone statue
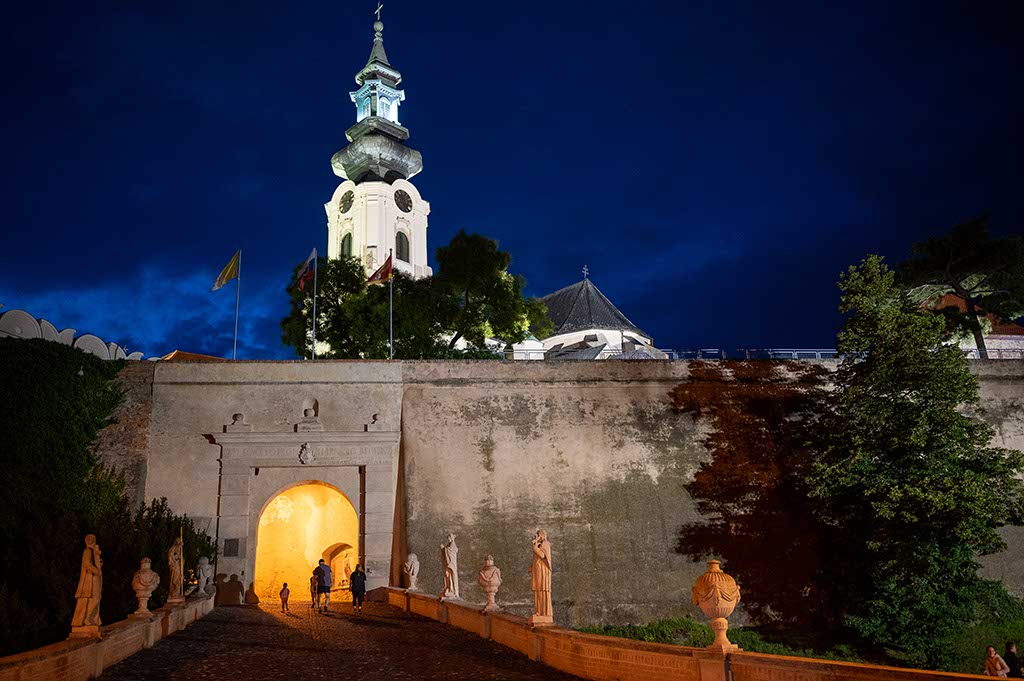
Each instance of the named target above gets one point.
<point>144,583</point>
<point>175,561</point>
<point>86,620</point>
<point>411,570</point>
<point>346,569</point>
<point>717,595</point>
<point>204,576</point>
<point>450,567</point>
<point>540,580</point>
<point>489,580</point>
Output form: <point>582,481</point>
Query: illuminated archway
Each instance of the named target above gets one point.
<point>298,527</point>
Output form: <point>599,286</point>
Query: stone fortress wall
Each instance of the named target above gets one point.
<point>593,452</point>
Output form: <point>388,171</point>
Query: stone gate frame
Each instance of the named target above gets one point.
<point>363,466</point>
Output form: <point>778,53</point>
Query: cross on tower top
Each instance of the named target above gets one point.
<point>380,6</point>
<point>586,272</point>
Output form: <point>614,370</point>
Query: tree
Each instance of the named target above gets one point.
<point>905,475</point>
<point>340,283</point>
<point>986,274</point>
<point>752,495</point>
<point>490,300</point>
<point>472,297</point>
<point>54,399</point>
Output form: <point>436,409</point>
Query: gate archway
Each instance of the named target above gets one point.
<point>300,525</point>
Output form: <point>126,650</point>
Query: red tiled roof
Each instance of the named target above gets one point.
<point>999,328</point>
<point>182,356</point>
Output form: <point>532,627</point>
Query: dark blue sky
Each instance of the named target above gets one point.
<point>715,164</point>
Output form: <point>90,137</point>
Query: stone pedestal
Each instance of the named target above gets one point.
<point>88,631</point>
<point>541,621</point>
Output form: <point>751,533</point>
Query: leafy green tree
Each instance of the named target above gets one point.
<point>490,300</point>
<point>54,399</point>
<point>906,475</point>
<point>472,297</point>
<point>986,273</point>
<point>340,286</point>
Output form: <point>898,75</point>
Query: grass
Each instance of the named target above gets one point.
<point>686,631</point>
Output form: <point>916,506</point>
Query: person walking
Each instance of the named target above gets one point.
<point>995,665</point>
<point>285,593</point>
<point>312,591</point>
<point>323,583</point>
<point>357,583</point>
<point>1012,661</point>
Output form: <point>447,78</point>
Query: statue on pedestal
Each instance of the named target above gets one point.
<point>450,567</point>
<point>86,620</point>
<point>489,580</point>
<point>540,580</point>
<point>204,577</point>
<point>175,561</point>
<point>411,571</point>
<point>144,583</point>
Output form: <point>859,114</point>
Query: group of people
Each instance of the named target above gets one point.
<point>1009,665</point>
<point>320,583</point>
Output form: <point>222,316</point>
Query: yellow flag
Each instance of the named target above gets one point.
<point>229,272</point>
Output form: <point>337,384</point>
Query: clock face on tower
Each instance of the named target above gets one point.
<point>346,202</point>
<point>403,201</point>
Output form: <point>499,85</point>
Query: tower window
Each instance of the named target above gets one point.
<point>402,246</point>
<point>346,245</point>
<point>384,108</point>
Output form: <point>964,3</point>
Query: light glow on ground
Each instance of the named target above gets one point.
<point>297,528</point>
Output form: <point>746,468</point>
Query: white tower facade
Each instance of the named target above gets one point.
<point>377,209</point>
<point>364,220</point>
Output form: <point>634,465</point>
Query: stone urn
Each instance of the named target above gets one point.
<point>717,595</point>
<point>489,579</point>
<point>144,583</point>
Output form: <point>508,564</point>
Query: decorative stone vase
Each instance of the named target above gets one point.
<point>144,583</point>
<point>717,595</point>
<point>489,579</point>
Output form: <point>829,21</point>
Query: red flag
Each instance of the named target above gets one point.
<point>381,275</point>
<point>306,273</point>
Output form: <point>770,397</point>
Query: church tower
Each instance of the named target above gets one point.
<point>377,208</point>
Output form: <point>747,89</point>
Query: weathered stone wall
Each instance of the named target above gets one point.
<point>123,445</point>
<point>1002,398</point>
<point>592,452</point>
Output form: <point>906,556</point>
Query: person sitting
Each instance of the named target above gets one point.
<point>1012,661</point>
<point>995,665</point>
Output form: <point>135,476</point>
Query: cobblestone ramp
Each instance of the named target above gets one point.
<point>256,644</point>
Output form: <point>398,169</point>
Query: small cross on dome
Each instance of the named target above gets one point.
<point>586,272</point>
<point>380,6</point>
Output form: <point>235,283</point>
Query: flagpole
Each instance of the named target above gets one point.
<point>238,295</point>
<point>314,302</point>
<point>391,309</point>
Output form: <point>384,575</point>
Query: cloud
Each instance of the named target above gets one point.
<point>156,312</point>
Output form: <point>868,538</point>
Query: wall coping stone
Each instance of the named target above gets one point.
<point>710,663</point>
<point>52,661</point>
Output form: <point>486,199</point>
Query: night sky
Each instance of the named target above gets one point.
<point>716,165</point>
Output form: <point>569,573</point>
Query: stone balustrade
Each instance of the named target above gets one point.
<point>605,658</point>
<point>77,659</point>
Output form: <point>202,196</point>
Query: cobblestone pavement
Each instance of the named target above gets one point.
<point>258,644</point>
